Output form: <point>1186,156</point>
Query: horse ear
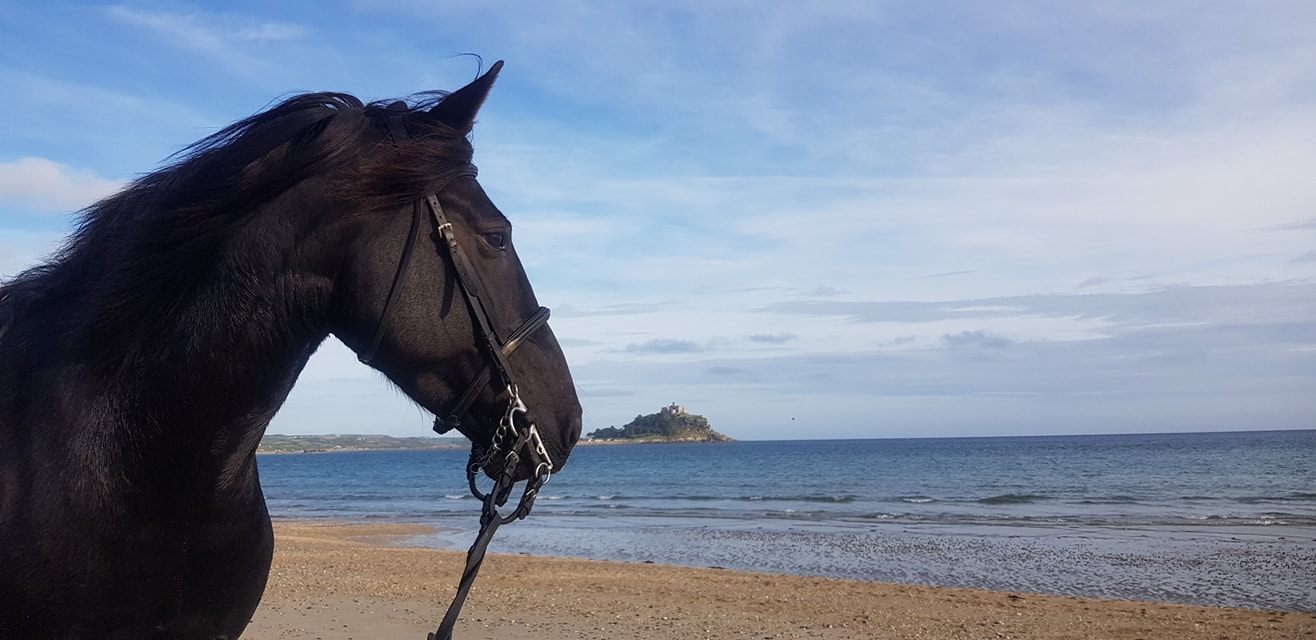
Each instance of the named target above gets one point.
<point>458,108</point>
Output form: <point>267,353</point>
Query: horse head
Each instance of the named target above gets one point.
<point>433,295</point>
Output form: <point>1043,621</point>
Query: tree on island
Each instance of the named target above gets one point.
<point>671,424</point>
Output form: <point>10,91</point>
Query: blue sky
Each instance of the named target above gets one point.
<point>826,219</point>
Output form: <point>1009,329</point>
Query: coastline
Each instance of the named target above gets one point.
<point>336,579</point>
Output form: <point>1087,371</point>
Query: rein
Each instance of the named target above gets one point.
<point>510,441</point>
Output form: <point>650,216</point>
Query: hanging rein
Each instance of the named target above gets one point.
<point>511,444</point>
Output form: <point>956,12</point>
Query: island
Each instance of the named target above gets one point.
<point>671,424</point>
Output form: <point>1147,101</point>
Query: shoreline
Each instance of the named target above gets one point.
<point>335,579</point>
<point>1252,567</point>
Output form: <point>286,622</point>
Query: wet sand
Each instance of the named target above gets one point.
<point>1251,567</point>
<point>341,580</point>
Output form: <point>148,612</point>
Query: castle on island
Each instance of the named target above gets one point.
<point>671,423</point>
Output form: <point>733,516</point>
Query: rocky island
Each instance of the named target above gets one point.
<point>671,424</point>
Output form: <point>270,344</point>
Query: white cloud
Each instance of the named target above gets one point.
<point>45,185</point>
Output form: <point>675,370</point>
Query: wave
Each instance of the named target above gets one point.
<point>1260,519</point>
<point>917,499</point>
<point>1013,498</point>
<point>1296,496</point>
<point>844,522</point>
<point>841,499</point>
<point>1116,499</point>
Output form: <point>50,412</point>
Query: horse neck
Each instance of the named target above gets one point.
<point>198,381</point>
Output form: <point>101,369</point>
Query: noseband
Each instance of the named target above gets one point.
<point>503,455</point>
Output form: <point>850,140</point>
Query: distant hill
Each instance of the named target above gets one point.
<point>276,443</point>
<point>671,424</point>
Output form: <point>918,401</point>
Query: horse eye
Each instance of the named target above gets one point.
<point>496,239</point>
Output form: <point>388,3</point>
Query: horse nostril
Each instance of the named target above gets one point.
<point>571,434</point>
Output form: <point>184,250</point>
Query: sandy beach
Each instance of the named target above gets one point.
<point>354,581</point>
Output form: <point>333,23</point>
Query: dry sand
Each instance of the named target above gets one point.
<point>336,580</point>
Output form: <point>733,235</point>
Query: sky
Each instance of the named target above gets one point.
<point>801,220</point>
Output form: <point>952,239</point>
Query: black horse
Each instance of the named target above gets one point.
<point>141,365</point>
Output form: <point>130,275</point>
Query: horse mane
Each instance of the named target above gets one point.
<point>166,224</point>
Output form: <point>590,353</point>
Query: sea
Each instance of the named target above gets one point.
<point>1221,519</point>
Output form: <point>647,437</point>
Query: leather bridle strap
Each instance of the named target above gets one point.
<point>396,289</point>
<point>469,282</point>
<point>512,435</point>
<point>474,560</point>
<point>497,348</point>
<point>471,288</point>
<point>397,132</point>
<point>467,398</point>
<point>525,439</point>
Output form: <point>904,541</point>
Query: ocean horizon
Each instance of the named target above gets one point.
<point>1216,518</point>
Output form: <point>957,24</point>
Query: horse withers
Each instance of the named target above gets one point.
<point>140,366</point>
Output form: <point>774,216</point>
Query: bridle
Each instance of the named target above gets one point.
<point>509,441</point>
